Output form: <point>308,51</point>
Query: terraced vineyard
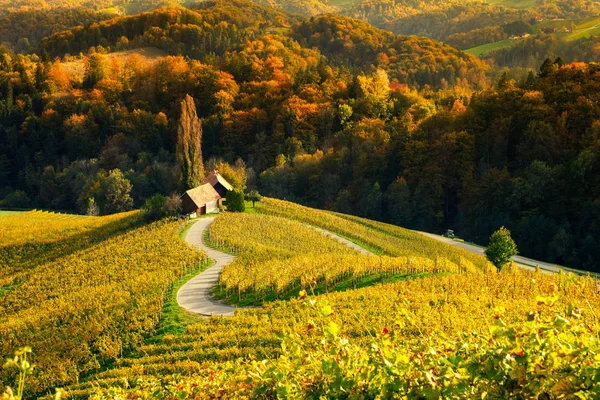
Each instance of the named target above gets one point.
<point>266,237</point>
<point>446,326</point>
<point>451,318</point>
<point>382,238</point>
<point>81,291</point>
<point>279,257</point>
<point>30,238</point>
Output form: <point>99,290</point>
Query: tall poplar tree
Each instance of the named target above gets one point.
<point>189,145</point>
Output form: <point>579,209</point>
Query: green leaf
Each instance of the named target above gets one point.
<point>332,329</point>
<point>326,310</point>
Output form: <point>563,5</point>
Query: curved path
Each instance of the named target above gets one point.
<point>345,241</point>
<point>195,296</point>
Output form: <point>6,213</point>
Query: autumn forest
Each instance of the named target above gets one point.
<point>373,110</point>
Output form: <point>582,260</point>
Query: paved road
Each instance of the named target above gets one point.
<point>348,243</point>
<point>195,296</point>
<point>523,262</point>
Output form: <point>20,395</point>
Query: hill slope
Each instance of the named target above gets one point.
<point>461,24</point>
<point>114,272</point>
<point>224,28</point>
<point>82,290</point>
<point>483,323</point>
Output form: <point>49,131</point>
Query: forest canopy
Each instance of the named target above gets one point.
<point>328,111</point>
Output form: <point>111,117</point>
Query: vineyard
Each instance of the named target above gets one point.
<point>279,257</point>
<point>418,320</point>
<point>34,237</point>
<point>513,326</point>
<point>382,238</point>
<point>81,291</point>
<point>265,237</point>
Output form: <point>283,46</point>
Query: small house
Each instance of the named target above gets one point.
<point>218,183</point>
<point>201,200</point>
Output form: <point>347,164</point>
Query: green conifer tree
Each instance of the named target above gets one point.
<point>501,248</point>
<point>189,145</point>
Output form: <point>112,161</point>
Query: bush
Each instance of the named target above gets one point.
<point>254,197</point>
<point>173,205</point>
<point>159,206</point>
<point>235,201</point>
<point>501,248</point>
<point>154,208</point>
<point>16,199</point>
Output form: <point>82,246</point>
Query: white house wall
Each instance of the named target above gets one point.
<point>212,207</point>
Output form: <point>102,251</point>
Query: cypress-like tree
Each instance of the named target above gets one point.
<point>503,82</point>
<point>547,68</point>
<point>530,82</point>
<point>189,145</point>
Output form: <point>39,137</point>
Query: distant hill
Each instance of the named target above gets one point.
<point>475,21</point>
<point>98,5</point>
<point>303,7</point>
<point>461,24</point>
<point>223,27</point>
<point>24,29</point>
<point>216,27</point>
<point>532,51</point>
<point>410,59</point>
<point>24,23</point>
<point>556,37</point>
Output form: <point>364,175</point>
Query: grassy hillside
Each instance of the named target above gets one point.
<point>486,48</point>
<point>574,29</point>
